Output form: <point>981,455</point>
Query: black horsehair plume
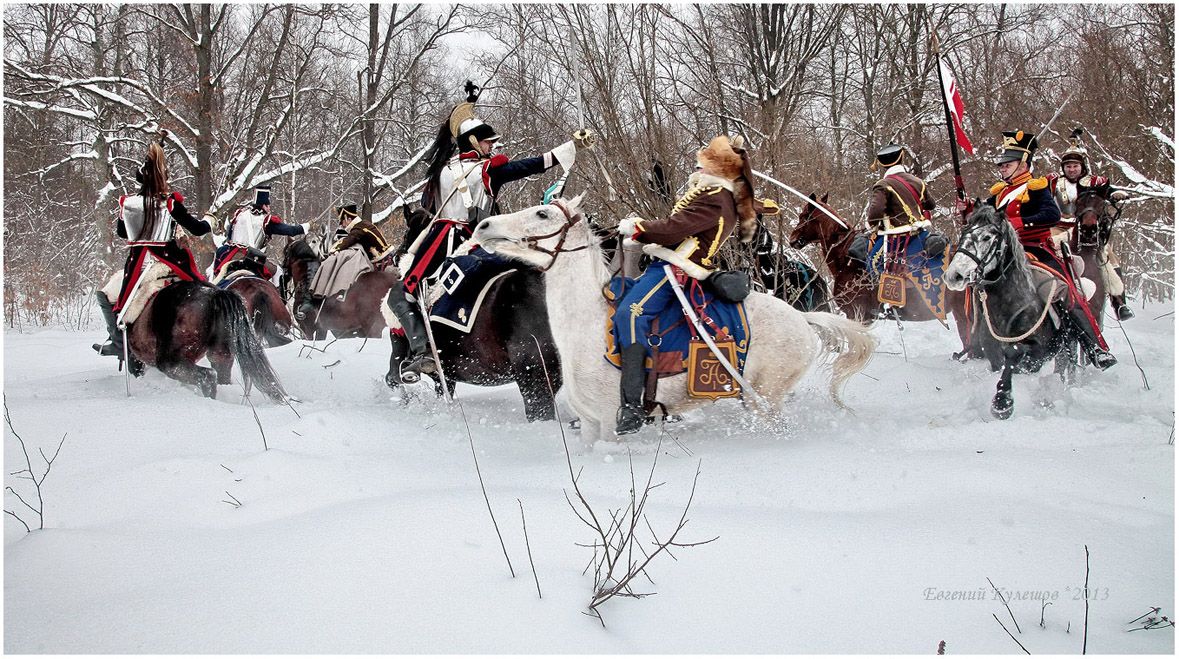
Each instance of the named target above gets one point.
<point>1075,136</point>
<point>472,90</point>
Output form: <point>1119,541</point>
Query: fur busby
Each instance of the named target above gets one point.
<point>729,160</point>
<point>1017,145</point>
<point>261,196</point>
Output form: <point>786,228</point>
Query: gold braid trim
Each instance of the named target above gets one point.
<point>998,187</point>
<point>691,195</point>
<point>1038,183</point>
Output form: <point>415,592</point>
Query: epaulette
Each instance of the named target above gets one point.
<point>998,187</point>
<point>1038,183</point>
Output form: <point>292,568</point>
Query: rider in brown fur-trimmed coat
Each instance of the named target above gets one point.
<point>719,200</point>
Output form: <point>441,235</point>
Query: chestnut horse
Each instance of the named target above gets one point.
<point>854,290</point>
<point>189,320</point>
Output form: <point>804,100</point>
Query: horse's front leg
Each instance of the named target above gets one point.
<point>1003,404</point>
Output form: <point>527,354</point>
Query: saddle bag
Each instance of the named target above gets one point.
<point>729,285</point>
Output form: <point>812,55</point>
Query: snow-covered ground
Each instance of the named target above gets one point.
<point>363,527</point>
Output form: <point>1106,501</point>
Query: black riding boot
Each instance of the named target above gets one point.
<point>303,289</point>
<point>1102,359</point>
<point>634,376</point>
<point>114,344</point>
<point>419,360</point>
<point>1119,301</point>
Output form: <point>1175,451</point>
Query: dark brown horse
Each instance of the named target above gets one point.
<point>189,320</point>
<point>510,340</point>
<point>357,315</point>
<point>264,306</point>
<point>1089,240</point>
<point>855,290</point>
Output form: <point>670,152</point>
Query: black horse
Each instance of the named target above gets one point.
<point>789,279</point>
<point>189,320</point>
<point>510,340</point>
<point>1012,297</point>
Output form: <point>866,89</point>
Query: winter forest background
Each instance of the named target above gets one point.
<point>333,104</point>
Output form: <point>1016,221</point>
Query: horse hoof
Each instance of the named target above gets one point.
<point>208,385</point>
<point>410,377</point>
<point>1002,408</point>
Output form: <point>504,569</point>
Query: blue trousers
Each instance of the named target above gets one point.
<point>646,299</point>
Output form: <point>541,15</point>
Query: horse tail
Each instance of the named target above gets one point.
<point>229,314</point>
<point>851,339</point>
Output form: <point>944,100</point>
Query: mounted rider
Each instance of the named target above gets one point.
<point>900,206</point>
<point>246,235</point>
<point>719,198</point>
<point>464,180</point>
<point>343,266</point>
<point>147,220</point>
<point>1073,181</point>
<point>1028,204</point>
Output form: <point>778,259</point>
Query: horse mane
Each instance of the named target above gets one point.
<point>593,243</point>
<point>1019,259</point>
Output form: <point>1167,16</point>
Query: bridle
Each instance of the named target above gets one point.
<point>990,255</point>
<point>1092,237</point>
<point>533,242</point>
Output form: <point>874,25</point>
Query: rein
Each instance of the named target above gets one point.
<point>563,232</point>
<point>982,296</point>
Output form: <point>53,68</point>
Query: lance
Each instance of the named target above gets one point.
<point>959,184</point>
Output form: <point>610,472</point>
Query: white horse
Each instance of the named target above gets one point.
<point>556,238</point>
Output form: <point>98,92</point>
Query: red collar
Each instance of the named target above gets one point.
<point>470,155</point>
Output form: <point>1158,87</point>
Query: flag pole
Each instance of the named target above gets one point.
<point>959,185</point>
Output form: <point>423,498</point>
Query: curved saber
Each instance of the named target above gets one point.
<point>787,188</point>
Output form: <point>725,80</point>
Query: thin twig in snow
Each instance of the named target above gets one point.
<point>1085,631</point>
<point>482,487</point>
<point>1004,600</point>
<point>528,546</point>
<point>1021,647</point>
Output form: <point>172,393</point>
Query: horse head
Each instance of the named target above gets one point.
<point>815,225</point>
<point>987,248</point>
<point>536,235</point>
<point>416,221</point>
<point>1094,221</point>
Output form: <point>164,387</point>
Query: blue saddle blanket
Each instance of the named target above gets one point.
<point>672,330</point>
<point>923,272</point>
<point>465,281</point>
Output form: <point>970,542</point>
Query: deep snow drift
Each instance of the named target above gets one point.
<point>363,527</point>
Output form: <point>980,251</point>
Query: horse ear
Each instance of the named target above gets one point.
<point>575,203</point>
<point>825,197</point>
<point>813,197</point>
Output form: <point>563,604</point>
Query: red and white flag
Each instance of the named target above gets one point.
<point>954,103</point>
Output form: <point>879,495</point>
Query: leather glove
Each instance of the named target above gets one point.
<point>306,228</point>
<point>584,138</point>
